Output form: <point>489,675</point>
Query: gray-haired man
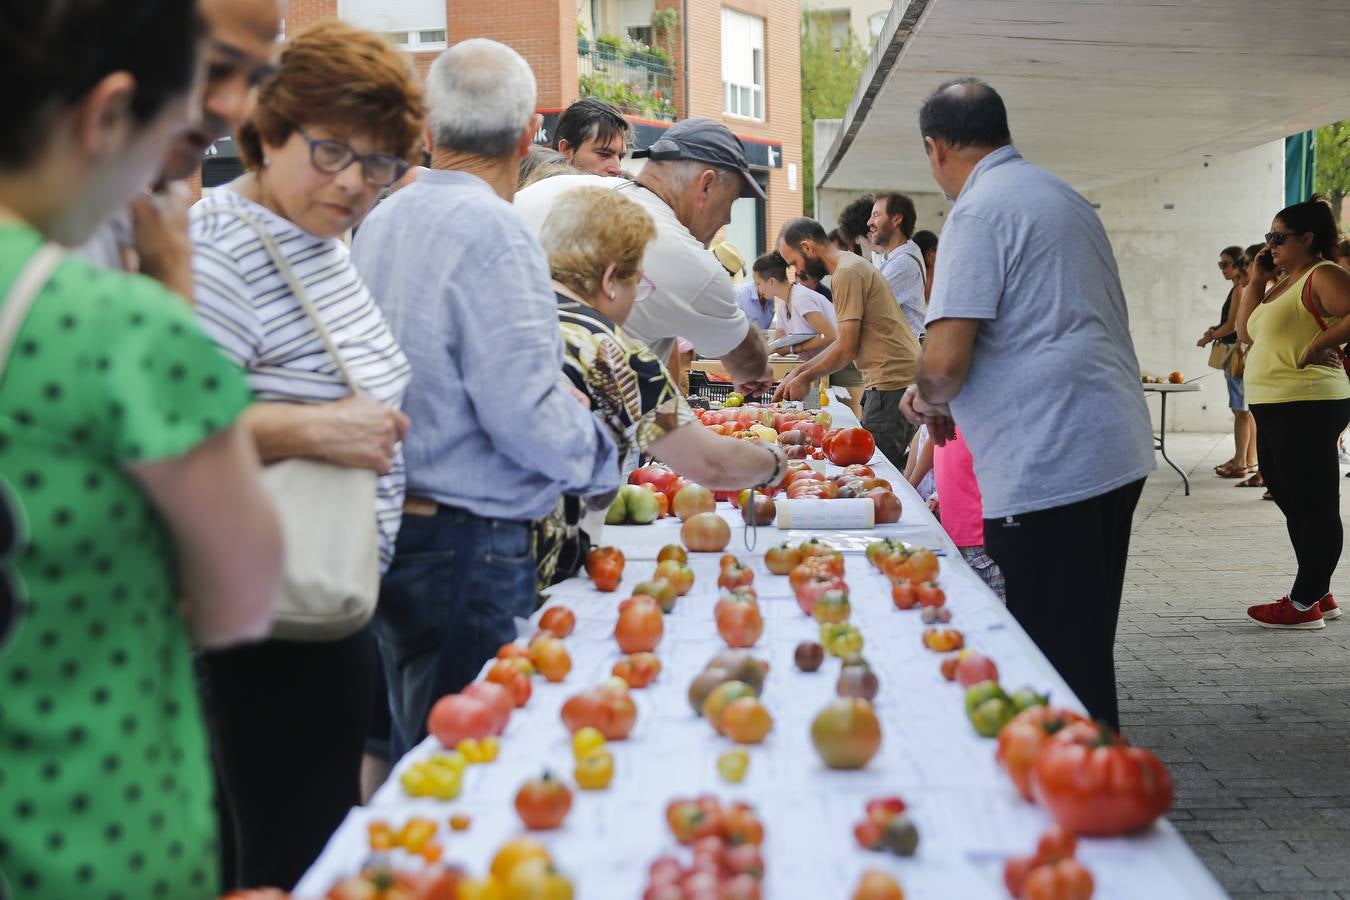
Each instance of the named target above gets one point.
<point>499,438</point>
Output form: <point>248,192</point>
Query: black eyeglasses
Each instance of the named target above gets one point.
<point>331,157</point>
<point>1277,238</point>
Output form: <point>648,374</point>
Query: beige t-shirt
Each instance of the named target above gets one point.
<point>888,353</point>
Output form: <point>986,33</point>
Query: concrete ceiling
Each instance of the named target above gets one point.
<point>1100,91</point>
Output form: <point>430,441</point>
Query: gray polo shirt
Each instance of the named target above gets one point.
<point>1052,407</point>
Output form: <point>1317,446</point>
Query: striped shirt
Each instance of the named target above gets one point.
<point>246,307</point>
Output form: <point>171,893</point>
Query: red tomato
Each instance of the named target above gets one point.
<point>498,697</point>
<point>735,575</point>
<point>860,470</point>
<point>639,626</point>
<point>1092,782</point>
<point>1056,843</point>
<point>705,532</point>
<point>543,803</point>
<point>739,622</point>
<point>974,668</point>
<point>506,673</point>
<point>886,506</point>
<point>903,594</point>
<point>658,476</point>
<point>929,594</point>
<point>459,716</point>
<point>551,658</point>
<point>558,619</point>
<point>850,446</point>
<point>610,710</point>
<point>1065,880</point>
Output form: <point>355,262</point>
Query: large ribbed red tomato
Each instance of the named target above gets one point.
<point>851,446</point>
<point>1092,782</point>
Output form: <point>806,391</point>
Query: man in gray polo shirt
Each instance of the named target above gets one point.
<point>1028,351</point>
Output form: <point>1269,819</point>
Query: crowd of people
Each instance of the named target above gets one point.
<point>472,373</point>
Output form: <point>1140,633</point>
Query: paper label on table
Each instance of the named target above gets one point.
<point>852,513</point>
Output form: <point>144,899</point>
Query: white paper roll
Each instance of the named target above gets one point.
<point>809,513</point>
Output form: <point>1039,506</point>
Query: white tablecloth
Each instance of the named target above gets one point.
<point>968,814</point>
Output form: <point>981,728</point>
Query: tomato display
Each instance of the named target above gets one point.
<point>1092,782</point>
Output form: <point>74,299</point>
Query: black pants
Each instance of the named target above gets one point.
<point>1064,570</point>
<point>288,721</point>
<point>1296,443</point>
<point>891,430</point>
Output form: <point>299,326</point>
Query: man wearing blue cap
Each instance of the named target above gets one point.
<point>694,173</point>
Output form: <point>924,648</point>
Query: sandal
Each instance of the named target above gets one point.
<point>1233,471</point>
<point>1254,481</point>
<point>1266,496</point>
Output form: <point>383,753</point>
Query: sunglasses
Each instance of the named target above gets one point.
<point>331,157</point>
<point>1225,264</point>
<point>1277,238</point>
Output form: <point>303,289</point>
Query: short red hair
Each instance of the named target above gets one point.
<point>342,77</point>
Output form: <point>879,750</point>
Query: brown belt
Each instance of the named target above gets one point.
<point>420,506</point>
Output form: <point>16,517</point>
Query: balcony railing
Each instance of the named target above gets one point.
<point>640,82</point>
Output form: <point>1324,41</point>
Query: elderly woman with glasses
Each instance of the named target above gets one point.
<point>336,123</point>
<point>595,239</point>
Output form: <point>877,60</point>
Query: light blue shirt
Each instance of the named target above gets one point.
<point>903,270</point>
<point>1052,407</point>
<point>466,289</point>
<point>758,312</point>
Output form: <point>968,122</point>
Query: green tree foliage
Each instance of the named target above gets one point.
<point>829,77</point>
<point>1332,175</point>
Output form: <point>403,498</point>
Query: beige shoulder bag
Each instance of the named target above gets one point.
<point>332,575</point>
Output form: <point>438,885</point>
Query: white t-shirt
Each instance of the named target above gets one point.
<point>804,300</point>
<point>694,297</point>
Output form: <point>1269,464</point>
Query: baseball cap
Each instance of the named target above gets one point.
<point>705,141</point>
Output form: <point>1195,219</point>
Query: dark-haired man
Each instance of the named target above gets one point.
<point>872,333</point>
<point>853,225</point>
<point>593,136</point>
<point>1029,351</point>
<point>901,264</point>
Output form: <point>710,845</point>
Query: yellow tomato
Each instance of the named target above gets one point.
<point>515,852</point>
<point>415,781</point>
<point>594,771</point>
<point>536,879</point>
<point>415,833</point>
<point>471,750</point>
<point>490,747</point>
<point>479,889</point>
<point>453,760</point>
<point>732,764</point>
<point>586,741</point>
<point>443,783</point>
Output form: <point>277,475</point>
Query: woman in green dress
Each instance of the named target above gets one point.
<point>144,526</point>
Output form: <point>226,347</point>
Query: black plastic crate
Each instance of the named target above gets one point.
<point>700,386</point>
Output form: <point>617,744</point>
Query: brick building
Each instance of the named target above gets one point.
<point>659,60</point>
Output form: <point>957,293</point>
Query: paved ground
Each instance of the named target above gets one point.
<point>1254,724</point>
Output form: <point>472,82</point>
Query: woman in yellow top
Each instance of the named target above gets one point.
<point>1300,397</point>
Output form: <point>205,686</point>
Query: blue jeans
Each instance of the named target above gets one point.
<point>447,603</point>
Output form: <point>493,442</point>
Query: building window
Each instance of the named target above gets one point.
<point>407,24</point>
<point>742,64</point>
<point>876,22</point>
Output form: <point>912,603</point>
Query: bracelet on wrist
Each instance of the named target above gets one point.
<point>779,468</point>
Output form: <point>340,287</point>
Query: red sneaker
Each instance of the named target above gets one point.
<point>1284,614</point>
<point>1330,610</point>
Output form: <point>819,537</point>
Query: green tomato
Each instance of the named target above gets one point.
<point>985,690</point>
<point>1025,698</point>
<point>990,716</point>
<point>734,399</point>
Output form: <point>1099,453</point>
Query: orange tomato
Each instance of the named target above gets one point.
<point>637,669</point>
<point>459,716</point>
<point>558,619</point>
<point>542,803</point>
<point>610,711</point>
<point>639,626</point>
<point>511,677</point>
<point>746,721</point>
<point>739,622</point>
<point>550,657</point>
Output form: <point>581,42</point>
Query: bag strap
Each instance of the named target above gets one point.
<point>301,295</point>
<point>1307,298</point>
<point>25,289</point>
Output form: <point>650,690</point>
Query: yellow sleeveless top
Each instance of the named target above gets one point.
<point>1281,329</point>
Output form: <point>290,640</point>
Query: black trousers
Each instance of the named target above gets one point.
<point>891,430</point>
<point>288,721</point>
<point>1065,569</point>
<point>1296,443</point>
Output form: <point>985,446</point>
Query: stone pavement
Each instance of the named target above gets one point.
<point>1254,724</point>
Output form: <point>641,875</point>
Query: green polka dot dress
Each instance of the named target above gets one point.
<point>105,781</point>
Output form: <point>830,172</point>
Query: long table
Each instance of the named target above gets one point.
<point>968,814</point>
